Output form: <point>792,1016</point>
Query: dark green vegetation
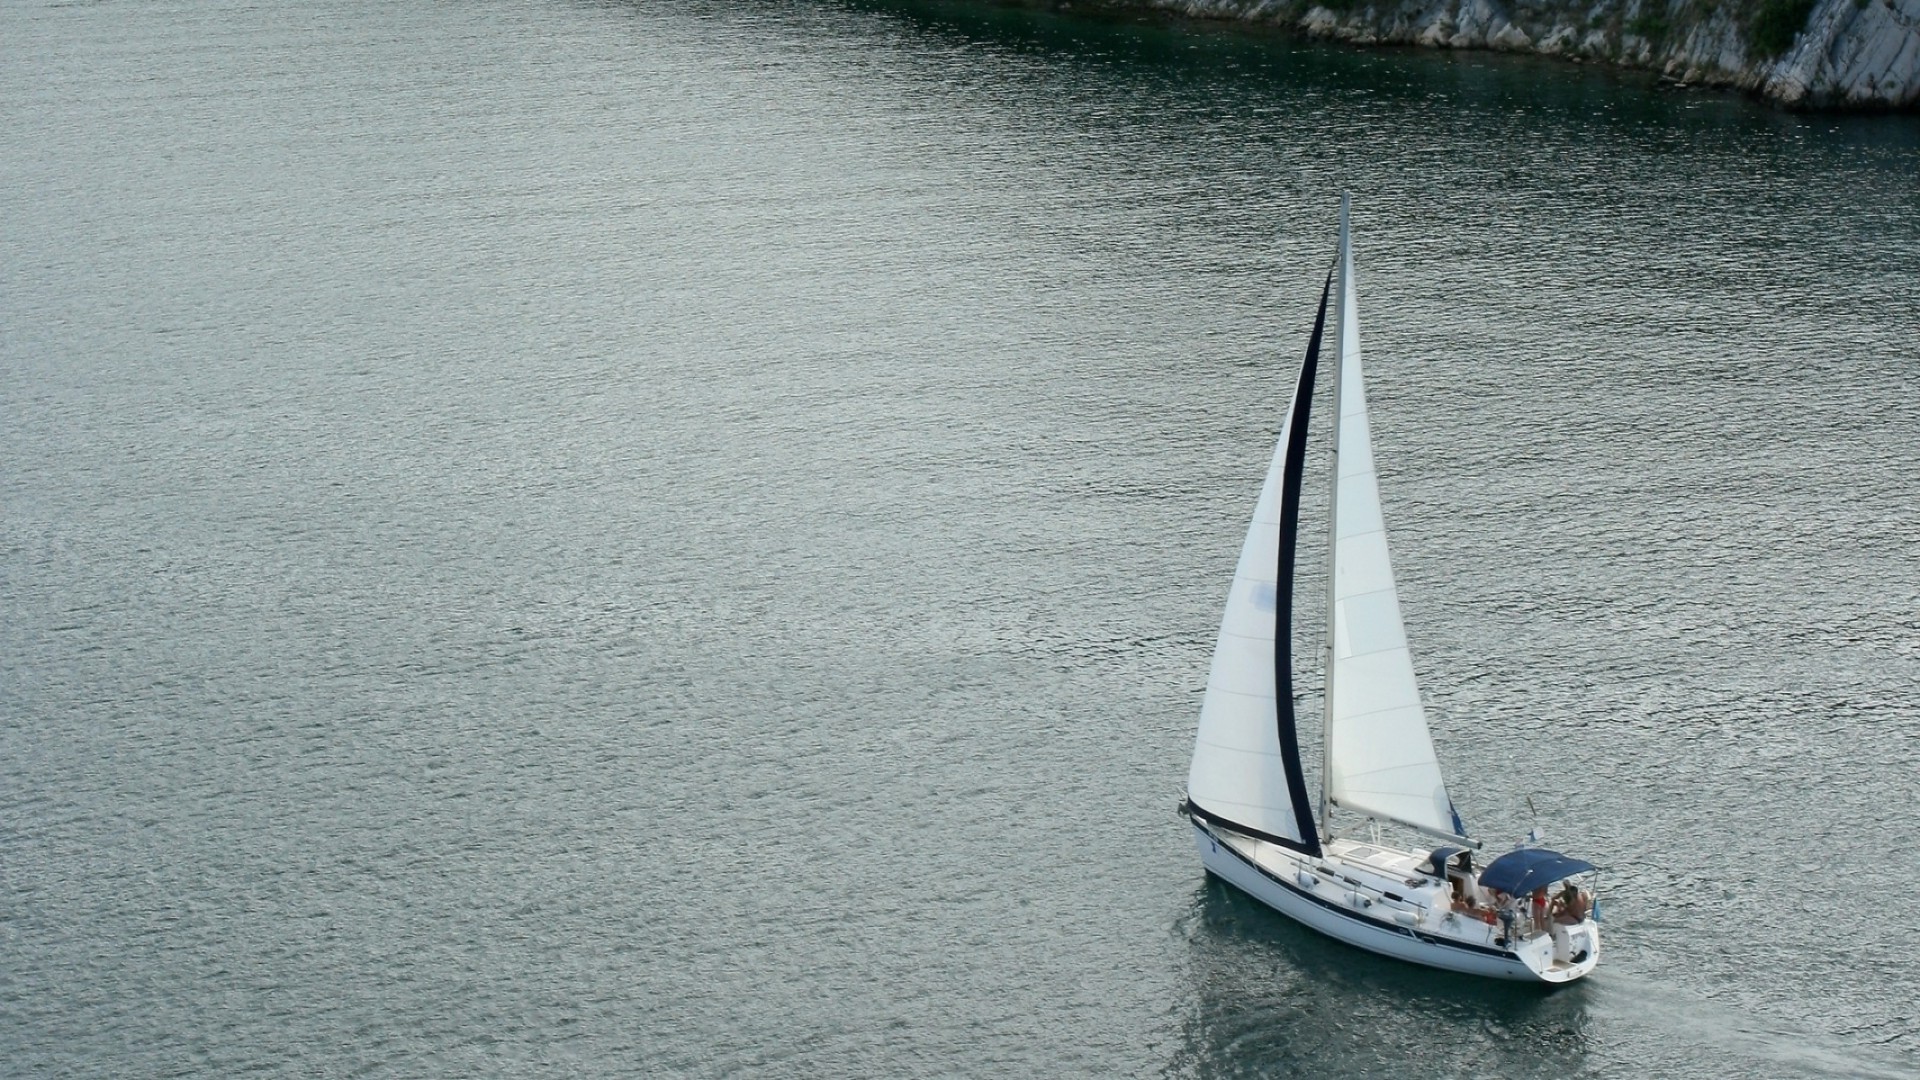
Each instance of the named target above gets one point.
<point>1775,23</point>
<point>1652,26</point>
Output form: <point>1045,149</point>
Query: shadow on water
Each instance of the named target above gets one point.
<point>1271,997</point>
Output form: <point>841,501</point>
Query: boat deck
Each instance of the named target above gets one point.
<point>1388,886</point>
<point>1379,898</point>
<point>1385,860</point>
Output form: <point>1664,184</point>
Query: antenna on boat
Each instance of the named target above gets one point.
<point>1533,833</point>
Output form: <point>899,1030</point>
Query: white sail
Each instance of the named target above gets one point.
<point>1380,758</point>
<point>1238,772</point>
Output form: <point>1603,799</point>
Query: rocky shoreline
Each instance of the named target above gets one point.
<point>1837,54</point>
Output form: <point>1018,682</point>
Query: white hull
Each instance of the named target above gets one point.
<point>1345,901</point>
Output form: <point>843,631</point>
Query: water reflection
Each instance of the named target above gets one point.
<point>1269,994</point>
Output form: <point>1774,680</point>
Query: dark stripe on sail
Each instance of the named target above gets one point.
<point>1205,814</point>
<point>1283,598</point>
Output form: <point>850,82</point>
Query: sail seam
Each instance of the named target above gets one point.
<point>1371,712</point>
<point>1229,747</point>
<point>1235,693</point>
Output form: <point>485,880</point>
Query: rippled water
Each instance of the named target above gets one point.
<point>685,537</point>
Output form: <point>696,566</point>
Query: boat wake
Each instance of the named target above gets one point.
<point>1771,1045</point>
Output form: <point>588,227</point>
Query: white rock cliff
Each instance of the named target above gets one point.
<point>1848,54</point>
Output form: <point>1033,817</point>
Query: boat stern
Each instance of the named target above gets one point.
<point>1569,952</point>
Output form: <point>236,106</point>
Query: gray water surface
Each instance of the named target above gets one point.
<point>685,538</point>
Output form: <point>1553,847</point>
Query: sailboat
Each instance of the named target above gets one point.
<point>1527,915</point>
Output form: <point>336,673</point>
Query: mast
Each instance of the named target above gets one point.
<point>1379,758</point>
<point>1333,537</point>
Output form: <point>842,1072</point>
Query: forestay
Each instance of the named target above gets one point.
<point>1380,758</point>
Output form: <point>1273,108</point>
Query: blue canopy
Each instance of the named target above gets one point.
<point>1521,871</point>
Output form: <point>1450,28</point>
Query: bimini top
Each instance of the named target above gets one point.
<point>1523,870</point>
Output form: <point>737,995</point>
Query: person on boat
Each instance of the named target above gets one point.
<point>1572,904</point>
<point>1539,908</point>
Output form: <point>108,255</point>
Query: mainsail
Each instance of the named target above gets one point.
<point>1246,759</point>
<point>1380,759</point>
